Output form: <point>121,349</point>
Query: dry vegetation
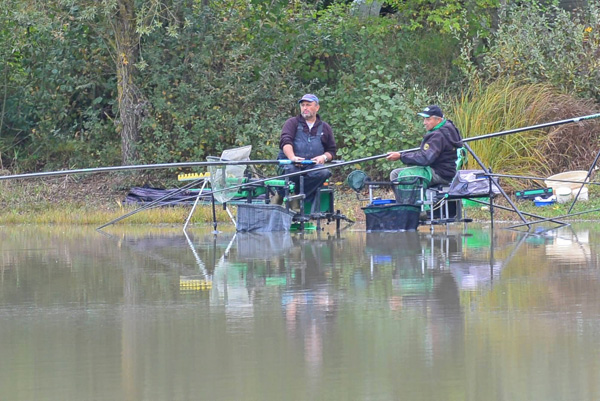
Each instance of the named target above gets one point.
<point>571,146</point>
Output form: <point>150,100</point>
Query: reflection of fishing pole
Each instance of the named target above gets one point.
<point>222,162</point>
<point>365,159</point>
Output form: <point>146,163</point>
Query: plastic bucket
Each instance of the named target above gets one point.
<point>563,194</point>
<point>583,195</point>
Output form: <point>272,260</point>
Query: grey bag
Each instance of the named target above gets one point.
<point>466,183</point>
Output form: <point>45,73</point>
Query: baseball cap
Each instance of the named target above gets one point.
<point>309,97</point>
<point>433,110</point>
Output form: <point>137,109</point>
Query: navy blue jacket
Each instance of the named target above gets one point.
<point>437,150</point>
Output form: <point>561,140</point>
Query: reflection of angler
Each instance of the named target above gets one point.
<point>472,275</point>
<point>304,307</point>
<point>308,315</point>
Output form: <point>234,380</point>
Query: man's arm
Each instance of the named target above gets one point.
<point>288,151</point>
<point>286,140</point>
<point>329,142</point>
<point>428,153</point>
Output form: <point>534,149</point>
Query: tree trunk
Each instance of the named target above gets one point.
<point>131,101</point>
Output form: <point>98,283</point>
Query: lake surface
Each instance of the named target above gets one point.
<point>152,314</point>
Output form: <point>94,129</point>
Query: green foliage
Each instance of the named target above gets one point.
<point>58,95</point>
<point>217,86</point>
<point>375,117</point>
<point>208,95</point>
<point>352,45</point>
<point>556,47</point>
<point>447,16</point>
<point>223,74</point>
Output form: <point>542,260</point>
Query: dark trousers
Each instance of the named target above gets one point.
<point>312,179</point>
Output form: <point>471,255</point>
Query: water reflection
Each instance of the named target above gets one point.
<point>158,314</point>
<point>567,246</point>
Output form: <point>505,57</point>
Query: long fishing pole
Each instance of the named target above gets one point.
<point>527,177</point>
<point>262,180</point>
<point>222,162</point>
<point>240,162</point>
<point>532,127</point>
<point>280,162</point>
<point>370,158</point>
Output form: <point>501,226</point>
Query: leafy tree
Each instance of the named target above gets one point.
<point>121,24</point>
<point>448,16</point>
<point>547,45</point>
<point>57,90</point>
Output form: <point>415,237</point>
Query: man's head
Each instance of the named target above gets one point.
<point>432,116</point>
<point>309,106</point>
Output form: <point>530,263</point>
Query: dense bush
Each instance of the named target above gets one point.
<point>230,75</point>
<point>225,82</point>
<point>507,105</point>
<point>375,115</point>
<point>552,46</point>
<point>58,96</point>
<point>221,83</point>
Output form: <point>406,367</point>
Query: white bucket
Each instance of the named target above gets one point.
<point>563,194</point>
<point>583,195</point>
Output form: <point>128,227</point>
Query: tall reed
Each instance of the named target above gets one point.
<point>500,106</point>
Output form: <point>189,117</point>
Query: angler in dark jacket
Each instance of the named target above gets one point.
<point>437,150</point>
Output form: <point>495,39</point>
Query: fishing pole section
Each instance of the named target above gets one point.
<point>224,184</point>
<point>337,216</point>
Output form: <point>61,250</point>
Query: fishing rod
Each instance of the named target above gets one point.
<point>256,182</point>
<point>248,162</point>
<point>532,127</point>
<point>370,158</point>
<point>526,177</point>
<point>222,162</point>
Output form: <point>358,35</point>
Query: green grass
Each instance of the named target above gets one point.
<point>72,214</point>
<point>82,215</point>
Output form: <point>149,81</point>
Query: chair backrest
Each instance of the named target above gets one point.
<point>461,157</point>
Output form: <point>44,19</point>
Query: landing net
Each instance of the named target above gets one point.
<point>226,176</point>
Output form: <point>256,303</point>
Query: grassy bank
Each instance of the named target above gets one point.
<point>98,199</point>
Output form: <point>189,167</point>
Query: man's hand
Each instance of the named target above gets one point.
<point>393,156</point>
<point>319,159</point>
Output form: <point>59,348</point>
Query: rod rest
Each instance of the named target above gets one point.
<point>293,197</point>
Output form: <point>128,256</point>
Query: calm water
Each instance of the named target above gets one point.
<point>150,314</point>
